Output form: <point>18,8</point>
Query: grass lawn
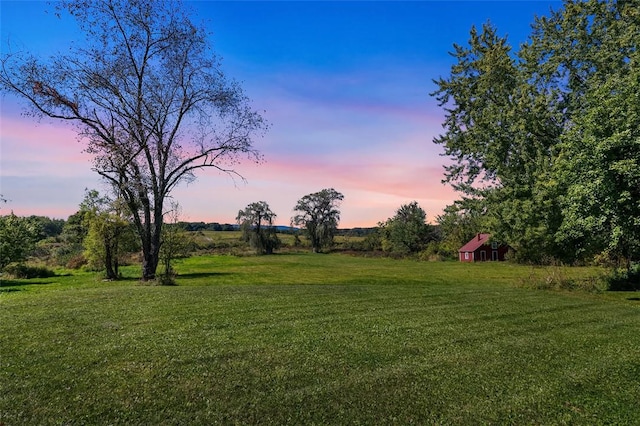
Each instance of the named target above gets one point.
<point>317,339</point>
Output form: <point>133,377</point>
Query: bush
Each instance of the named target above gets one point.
<point>432,253</point>
<point>64,253</point>
<point>626,279</point>
<point>76,262</point>
<point>20,270</point>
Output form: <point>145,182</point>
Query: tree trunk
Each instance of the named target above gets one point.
<point>149,265</point>
<point>151,248</point>
<point>149,261</point>
<point>108,260</point>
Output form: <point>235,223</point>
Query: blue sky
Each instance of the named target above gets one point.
<point>345,86</point>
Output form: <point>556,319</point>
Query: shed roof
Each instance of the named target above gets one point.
<point>478,241</point>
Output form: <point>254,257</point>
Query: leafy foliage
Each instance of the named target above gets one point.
<point>70,251</point>
<point>110,235</point>
<point>262,237</point>
<point>319,215</point>
<point>545,140</point>
<point>600,154</point>
<point>175,244</point>
<point>18,237</point>
<point>407,232</point>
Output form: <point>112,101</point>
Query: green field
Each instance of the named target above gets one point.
<point>318,339</point>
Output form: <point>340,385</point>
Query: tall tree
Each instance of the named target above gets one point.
<point>500,132</point>
<point>599,155</point>
<point>256,223</point>
<point>148,96</point>
<point>319,215</point>
<point>478,97</point>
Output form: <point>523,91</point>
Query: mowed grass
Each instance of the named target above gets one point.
<point>317,339</point>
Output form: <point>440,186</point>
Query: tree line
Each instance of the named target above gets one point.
<point>101,235</point>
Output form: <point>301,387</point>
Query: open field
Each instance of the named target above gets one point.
<point>318,339</point>
<point>231,241</point>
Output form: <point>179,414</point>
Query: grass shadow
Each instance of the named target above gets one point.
<point>203,274</point>
<point>9,290</point>
<point>19,283</point>
<point>127,278</point>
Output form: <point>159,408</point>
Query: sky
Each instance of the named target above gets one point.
<point>344,85</point>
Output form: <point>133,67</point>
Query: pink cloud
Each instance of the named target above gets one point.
<point>373,190</point>
<point>32,148</point>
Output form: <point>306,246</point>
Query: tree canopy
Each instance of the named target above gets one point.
<point>407,231</point>
<point>147,95</point>
<point>256,223</point>
<point>545,139</point>
<point>18,237</point>
<point>319,215</point>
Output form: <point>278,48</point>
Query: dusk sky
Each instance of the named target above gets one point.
<point>345,87</point>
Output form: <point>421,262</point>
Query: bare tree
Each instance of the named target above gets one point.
<point>146,93</point>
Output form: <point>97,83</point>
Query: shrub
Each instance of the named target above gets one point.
<point>63,253</point>
<point>76,262</point>
<point>625,279</point>
<point>20,270</point>
<point>166,279</point>
<point>432,253</point>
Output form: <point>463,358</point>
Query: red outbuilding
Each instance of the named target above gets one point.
<point>480,249</point>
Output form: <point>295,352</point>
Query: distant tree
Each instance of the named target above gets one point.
<point>406,232</point>
<point>214,227</point>
<point>48,227</point>
<point>256,224</point>
<point>75,229</point>
<point>110,235</point>
<point>18,236</point>
<point>148,96</point>
<point>319,216</point>
<point>70,250</point>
